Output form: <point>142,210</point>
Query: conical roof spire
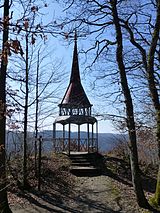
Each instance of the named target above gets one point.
<point>75,95</point>
<point>75,76</point>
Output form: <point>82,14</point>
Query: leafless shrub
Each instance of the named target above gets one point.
<point>147,146</point>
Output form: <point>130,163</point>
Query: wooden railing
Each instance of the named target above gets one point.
<point>64,145</point>
<point>82,145</point>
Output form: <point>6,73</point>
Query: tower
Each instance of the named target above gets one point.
<point>75,108</point>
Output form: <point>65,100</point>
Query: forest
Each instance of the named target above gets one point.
<point>119,45</point>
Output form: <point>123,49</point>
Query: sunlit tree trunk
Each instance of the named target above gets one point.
<point>4,207</point>
<point>37,109</point>
<point>153,89</point>
<point>25,184</point>
<point>148,62</point>
<point>136,178</point>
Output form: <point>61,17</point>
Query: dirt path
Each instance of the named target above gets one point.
<point>90,194</point>
<point>62,192</point>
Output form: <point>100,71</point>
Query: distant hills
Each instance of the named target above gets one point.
<point>107,141</point>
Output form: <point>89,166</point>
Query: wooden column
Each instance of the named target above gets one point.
<point>69,138</point>
<point>79,137</point>
<point>97,136</point>
<point>92,137</point>
<point>63,137</point>
<point>88,136</point>
<point>54,130</point>
<point>54,136</point>
<point>39,162</point>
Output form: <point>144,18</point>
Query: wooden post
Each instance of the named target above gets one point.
<point>39,162</point>
<point>88,136</point>
<point>35,155</point>
<point>78,137</point>
<point>63,137</point>
<point>54,136</point>
<point>54,130</point>
<point>97,136</point>
<point>92,137</point>
<point>69,139</point>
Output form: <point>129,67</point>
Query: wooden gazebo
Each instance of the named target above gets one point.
<point>75,108</point>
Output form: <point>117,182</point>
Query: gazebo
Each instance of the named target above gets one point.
<point>75,108</point>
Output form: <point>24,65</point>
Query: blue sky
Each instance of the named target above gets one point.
<point>63,50</point>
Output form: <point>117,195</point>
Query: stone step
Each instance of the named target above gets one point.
<point>81,163</point>
<point>83,160</point>
<point>84,164</point>
<point>82,157</point>
<point>85,171</point>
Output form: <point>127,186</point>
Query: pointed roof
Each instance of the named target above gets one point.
<point>75,95</point>
<point>75,75</point>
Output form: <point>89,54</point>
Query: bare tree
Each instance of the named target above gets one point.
<point>136,178</point>
<point>28,32</point>
<point>98,18</point>
<point>149,59</point>
<point>4,207</point>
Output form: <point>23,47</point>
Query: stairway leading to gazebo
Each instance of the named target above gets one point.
<point>85,164</point>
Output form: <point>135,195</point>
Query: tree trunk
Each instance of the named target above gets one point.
<point>37,107</point>
<point>154,90</point>
<point>157,194</point>
<point>149,68</point>
<point>4,207</point>
<point>136,178</point>
<point>25,183</point>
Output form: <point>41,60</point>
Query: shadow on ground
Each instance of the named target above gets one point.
<point>57,202</point>
<point>58,194</point>
<point>119,170</point>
